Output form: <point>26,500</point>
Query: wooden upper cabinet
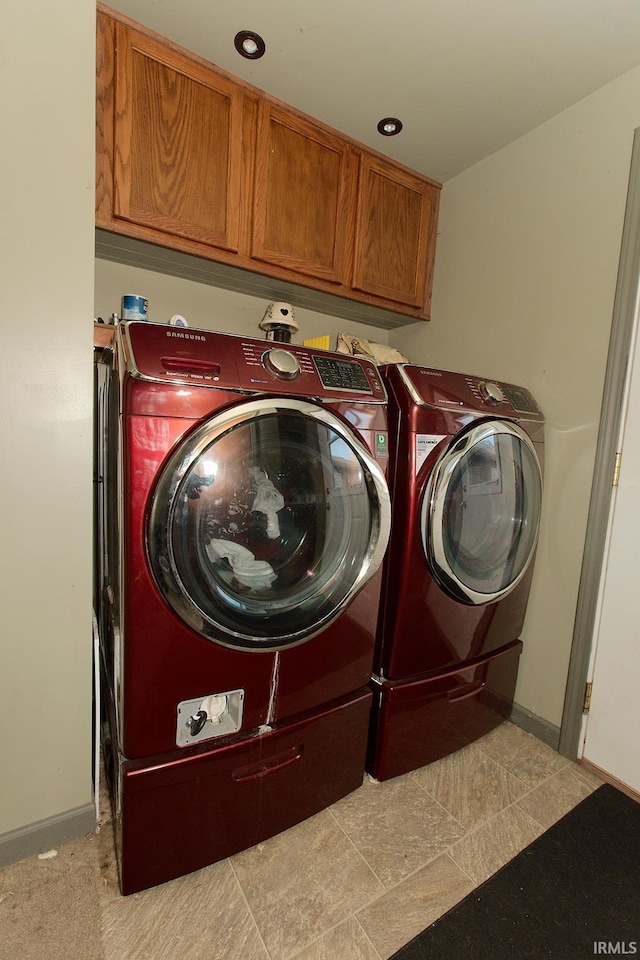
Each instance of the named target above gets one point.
<point>196,160</point>
<point>304,196</point>
<point>395,233</point>
<point>178,143</point>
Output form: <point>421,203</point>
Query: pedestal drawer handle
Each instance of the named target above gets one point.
<point>470,690</point>
<point>253,771</point>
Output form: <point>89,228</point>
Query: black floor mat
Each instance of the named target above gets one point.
<point>573,894</point>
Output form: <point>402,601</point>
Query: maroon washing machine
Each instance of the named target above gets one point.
<point>247,514</point>
<point>466,486</point>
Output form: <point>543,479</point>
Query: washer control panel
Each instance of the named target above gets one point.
<point>167,354</point>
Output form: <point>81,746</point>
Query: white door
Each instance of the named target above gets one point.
<point>612,740</point>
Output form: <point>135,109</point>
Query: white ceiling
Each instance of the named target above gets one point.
<point>465,77</point>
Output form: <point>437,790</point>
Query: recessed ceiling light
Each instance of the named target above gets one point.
<point>249,44</point>
<point>389,127</point>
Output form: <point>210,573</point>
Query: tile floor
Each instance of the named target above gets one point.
<point>358,880</point>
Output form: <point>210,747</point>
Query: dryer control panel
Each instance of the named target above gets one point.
<point>174,355</point>
<point>446,390</point>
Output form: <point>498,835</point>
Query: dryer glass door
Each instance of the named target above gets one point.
<point>481,512</point>
<point>265,523</point>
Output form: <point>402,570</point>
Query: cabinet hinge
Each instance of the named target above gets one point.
<point>586,704</point>
<point>616,469</point>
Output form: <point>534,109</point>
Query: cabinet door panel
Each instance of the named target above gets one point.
<point>195,160</point>
<point>178,134</point>
<point>395,233</point>
<point>304,196</point>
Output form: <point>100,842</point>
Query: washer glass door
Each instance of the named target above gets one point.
<point>265,523</point>
<point>481,512</point>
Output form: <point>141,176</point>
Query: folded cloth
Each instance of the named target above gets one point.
<point>268,500</point>
<point>253,573</point>
<point>378,353</point>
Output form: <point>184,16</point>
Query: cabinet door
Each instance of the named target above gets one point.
<point>178,143</point>
<point>395,233</point>
<point>304,196</point>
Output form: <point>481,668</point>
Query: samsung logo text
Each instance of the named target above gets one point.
<point>185,336</point>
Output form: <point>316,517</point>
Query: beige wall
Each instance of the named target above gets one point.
<point>46,257</point>
<point>525,278</point>
<point>211,308</point>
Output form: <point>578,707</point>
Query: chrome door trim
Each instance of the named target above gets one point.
<point>409,387</point>
<point>434,500</point>
<point>159,546</point>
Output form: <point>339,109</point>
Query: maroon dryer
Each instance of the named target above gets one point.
<point>465,475</point>
<point>247,514</point>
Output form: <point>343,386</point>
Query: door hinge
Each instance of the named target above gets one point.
<point>586,704</point>
<point>616,469</point>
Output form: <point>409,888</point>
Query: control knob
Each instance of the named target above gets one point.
<point>282,364</point>
<point>491,392</point>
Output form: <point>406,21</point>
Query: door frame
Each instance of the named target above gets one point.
<point>609,440</point>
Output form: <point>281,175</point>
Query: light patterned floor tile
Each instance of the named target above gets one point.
<point>201,915</point>
<point>396,827</point>
<point>558,795</point>
<point>470,785</point>
<point>589,775</point>
<point>348,941</point>
<point>414,904</point>
<point>48,904</point>
<point>495,842</point>
<point>302,883</point>
<point>522,754</point>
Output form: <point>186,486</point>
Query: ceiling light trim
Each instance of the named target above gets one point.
<point>249,45</point>
<point>389,126</point>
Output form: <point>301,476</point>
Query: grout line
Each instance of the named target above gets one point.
<point>317,939</point>
<point>443,808</point>
<point>546,782</point>
<point>481,826</point>
<point>368,938</point>
<point>325,933</point>
<point>351,915</point>
<point>362,857</point>
<point>251,913</point>
<point>517,804</point>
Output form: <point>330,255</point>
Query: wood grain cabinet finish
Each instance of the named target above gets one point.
<point>178,135</point>
<point>195,160</point>
<point>304,196</point>
<point>395,233</point>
